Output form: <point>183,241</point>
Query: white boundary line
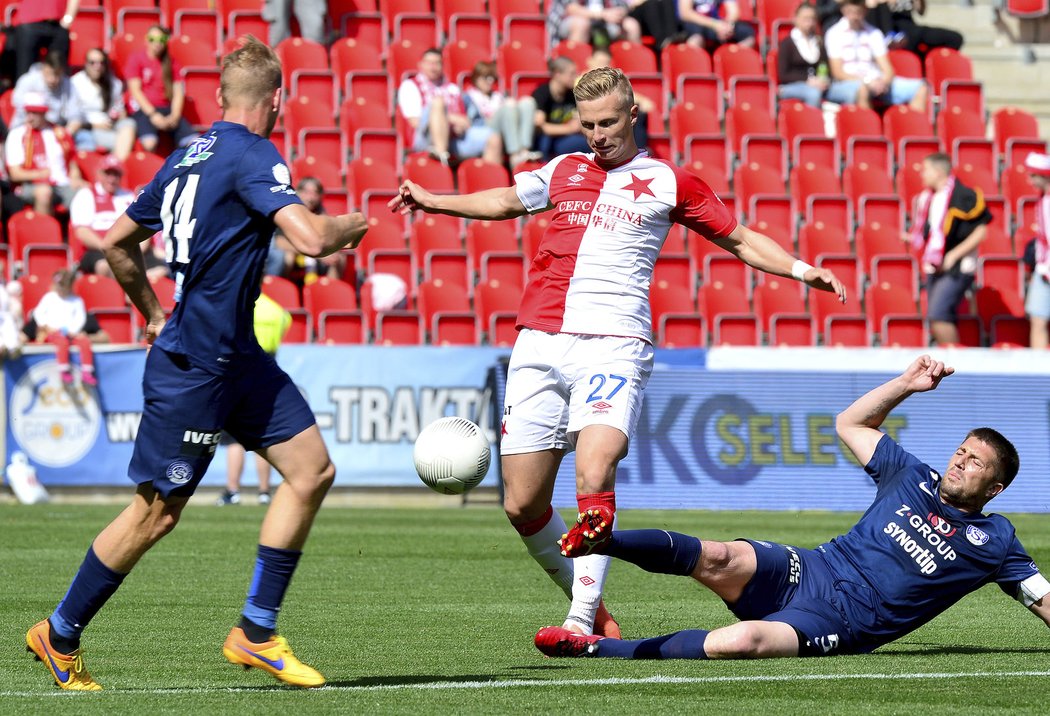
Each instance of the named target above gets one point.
<point>550,683</point>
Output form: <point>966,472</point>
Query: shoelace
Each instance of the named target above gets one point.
<point>78,662</point>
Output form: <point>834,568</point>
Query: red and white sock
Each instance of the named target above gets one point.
<point>589,572</point>
<point>541,540</point>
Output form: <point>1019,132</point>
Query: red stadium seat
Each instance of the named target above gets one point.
<point>367,28</point>
<point>799,119</point>
<point>515,57</point>
<point>773,216</point>
<point>89,30</point>
<point>99,292</point>
<point>808,180</point>
<point>902,121</point>
<point>878,240</point>
<point>437,299</point>
<point>898,270</point>
<point>905,64</point>
<point>832,209</point>
<point>846,330</point>
<point>632,57</point>
<point>864,179</point>
<point>282,291</point>
<point>578,52</point>
<point>702,90</point>
<point>731,60</point>
<point>117,323</point>
<point>766,150</point>
<point>139,169</point>
<point>327,144</point>
<point>329,297</point>
<point>688,119</point>
<point>203,24</point>
<point>527,30</point>
<point>366,174</point>
<point>476,174</point>
<point>399,328</point>
<point>202,109</point>
<point>497,309</point>
<point>943,63</point>
<point>349,54</point>
<point>776,296</point>
<point>977,177</point>
<point>1006,273</point>
<point>744,119</point>
<point>322,168</point>
<point>979,153</point>
<point>724,269</point>
<point>853,121</point>
<point>189,51</point>
<point>752,179</point>
<point>881,210</point>
<point>955,122</point>
<point>819,239</point>
<point>1028,9</point>
<point>681,58</point>
<point>967,96</point>
<point>318,85</point>
<point>903,331</point>
<point>876,152</point>
<point>1013,123</point>
<point>501,9</point>
<point>46,259</point>
<point>27,227</point>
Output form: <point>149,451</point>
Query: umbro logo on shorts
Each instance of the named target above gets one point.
<point>602,407</point>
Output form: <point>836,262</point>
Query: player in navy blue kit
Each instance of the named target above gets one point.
<point>922,545</point>
<point>217,203</point>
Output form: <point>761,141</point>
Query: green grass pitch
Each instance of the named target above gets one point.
<point>433,611</point>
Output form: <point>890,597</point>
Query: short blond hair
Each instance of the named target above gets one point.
<point>602,82</point>
<point>250,74</point>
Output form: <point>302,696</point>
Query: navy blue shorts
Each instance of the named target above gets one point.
<point>794,586</point>
<point>187,408</point>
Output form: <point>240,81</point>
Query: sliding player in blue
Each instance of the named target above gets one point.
<point>217,203</point>
<point>922,545</point>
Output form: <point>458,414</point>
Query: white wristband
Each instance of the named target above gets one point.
<point>799,268</point>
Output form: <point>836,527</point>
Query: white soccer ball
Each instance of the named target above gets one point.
<point>451,455</point>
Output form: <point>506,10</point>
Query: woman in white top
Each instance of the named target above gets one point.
<point>513,119</point>
<point>101,96</point>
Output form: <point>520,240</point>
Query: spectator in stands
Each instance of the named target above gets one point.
<point>94,209</point>
<point>101,97</point>
<point>157,93</point>
<point>860,65</point>
<point>62,320</point>
<point>894,19</point>
<point>311,15</point>
<point>48,79</point>
<point>513,119</point>
<point>299,268</point>
<point>445,123</point>
<point>11,336</point>
<point>592,22</point>
<point>556,119</point>
<point>949,224</point>
<point>603,58</point>
<point>802,63</point>
<point>1037,303</point>
<point>42,24</point>
<point>714,23</point>
<point>38,159</point>
<point>659,20</point>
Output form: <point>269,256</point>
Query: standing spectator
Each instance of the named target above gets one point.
<point>61,319</point>
<point>556,119</point>
<point>894,19</point>
<point>38,159</point>
<point>42,24</point>
<point>950,222</point>
<point>860,65</point>
<point>591,22</point>
<point>101,97</point>
<point>1037,304</point>
<point>513,119</point>
<point>48,79</point>
<point>157,95</point>
<point>445,123</point>
<point>802,64</point>
<point>311,15</point>
<point>714,22</point>
<point>94,209</point>
<point>271,322</point>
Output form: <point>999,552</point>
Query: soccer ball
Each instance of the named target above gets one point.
<point>451,455</point>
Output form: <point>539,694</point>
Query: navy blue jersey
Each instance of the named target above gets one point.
<point>911,556</point>
<point>215,201</point>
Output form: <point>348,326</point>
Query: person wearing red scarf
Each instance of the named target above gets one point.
<point>1037,303</point>
<point>38,158</point>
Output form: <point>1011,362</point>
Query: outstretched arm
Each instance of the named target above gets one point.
<point>858,425</point>
<point>319,235</point>
<point>1042,610</point>
<point>492,204</point>
<point>761,252</point>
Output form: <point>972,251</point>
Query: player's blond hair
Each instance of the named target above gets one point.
<point>602,82</point>
<point>250,74</point>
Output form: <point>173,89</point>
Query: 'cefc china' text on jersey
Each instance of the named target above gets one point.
<point>911,556</point>
<point>214,202</point>
<point>592,272</point>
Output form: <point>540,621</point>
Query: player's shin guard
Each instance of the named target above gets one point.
<point>587,586</point>
<point>94,584</point>
<point>688,644</point>
<point>656,551</point>
<point>541,540</point>
<point>273,572</point>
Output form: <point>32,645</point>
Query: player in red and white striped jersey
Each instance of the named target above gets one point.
<point>584,352</point>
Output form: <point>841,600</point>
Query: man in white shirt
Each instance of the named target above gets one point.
<point>94,209</point>
<point>860,65</point>
<point>38,156</point>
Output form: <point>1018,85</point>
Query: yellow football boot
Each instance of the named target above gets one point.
<point>274,657</point>
<point>67,669</point>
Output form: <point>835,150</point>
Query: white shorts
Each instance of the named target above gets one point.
<point>559,383</point>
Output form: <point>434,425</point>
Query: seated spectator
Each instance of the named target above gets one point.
<point>38,158</point>
<point>602,58</point>
<point>61,319</point>
<point>556,118</point>
<point>101,97</point>
<point>658,19</point>
<point>95,209</point>
<point>157,93</point>
<point>802,64</point>
<point>714,22</point>
<point>513,119</point>
<point>48,79</point>
<point>591,22</point>
<point>1037,303</point>
<point>949,224</point>
<point>11,336</point>
<point>894,19</point>
<point>860,65</point>
<point>297,267</point>
<point>444,122</point>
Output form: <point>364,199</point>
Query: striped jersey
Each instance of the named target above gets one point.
<point>595,261</point>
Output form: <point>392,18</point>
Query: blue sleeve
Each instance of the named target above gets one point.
<point>1017,567</point>
<point>263,180</point>
<point>889,459</point>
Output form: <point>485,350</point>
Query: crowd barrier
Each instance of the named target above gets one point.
<point>720,429</point>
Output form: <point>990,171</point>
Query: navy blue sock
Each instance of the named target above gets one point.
<point>94,584</point>
<point>656,550</point>
<point>273,572</point>
<point>688,644</point>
